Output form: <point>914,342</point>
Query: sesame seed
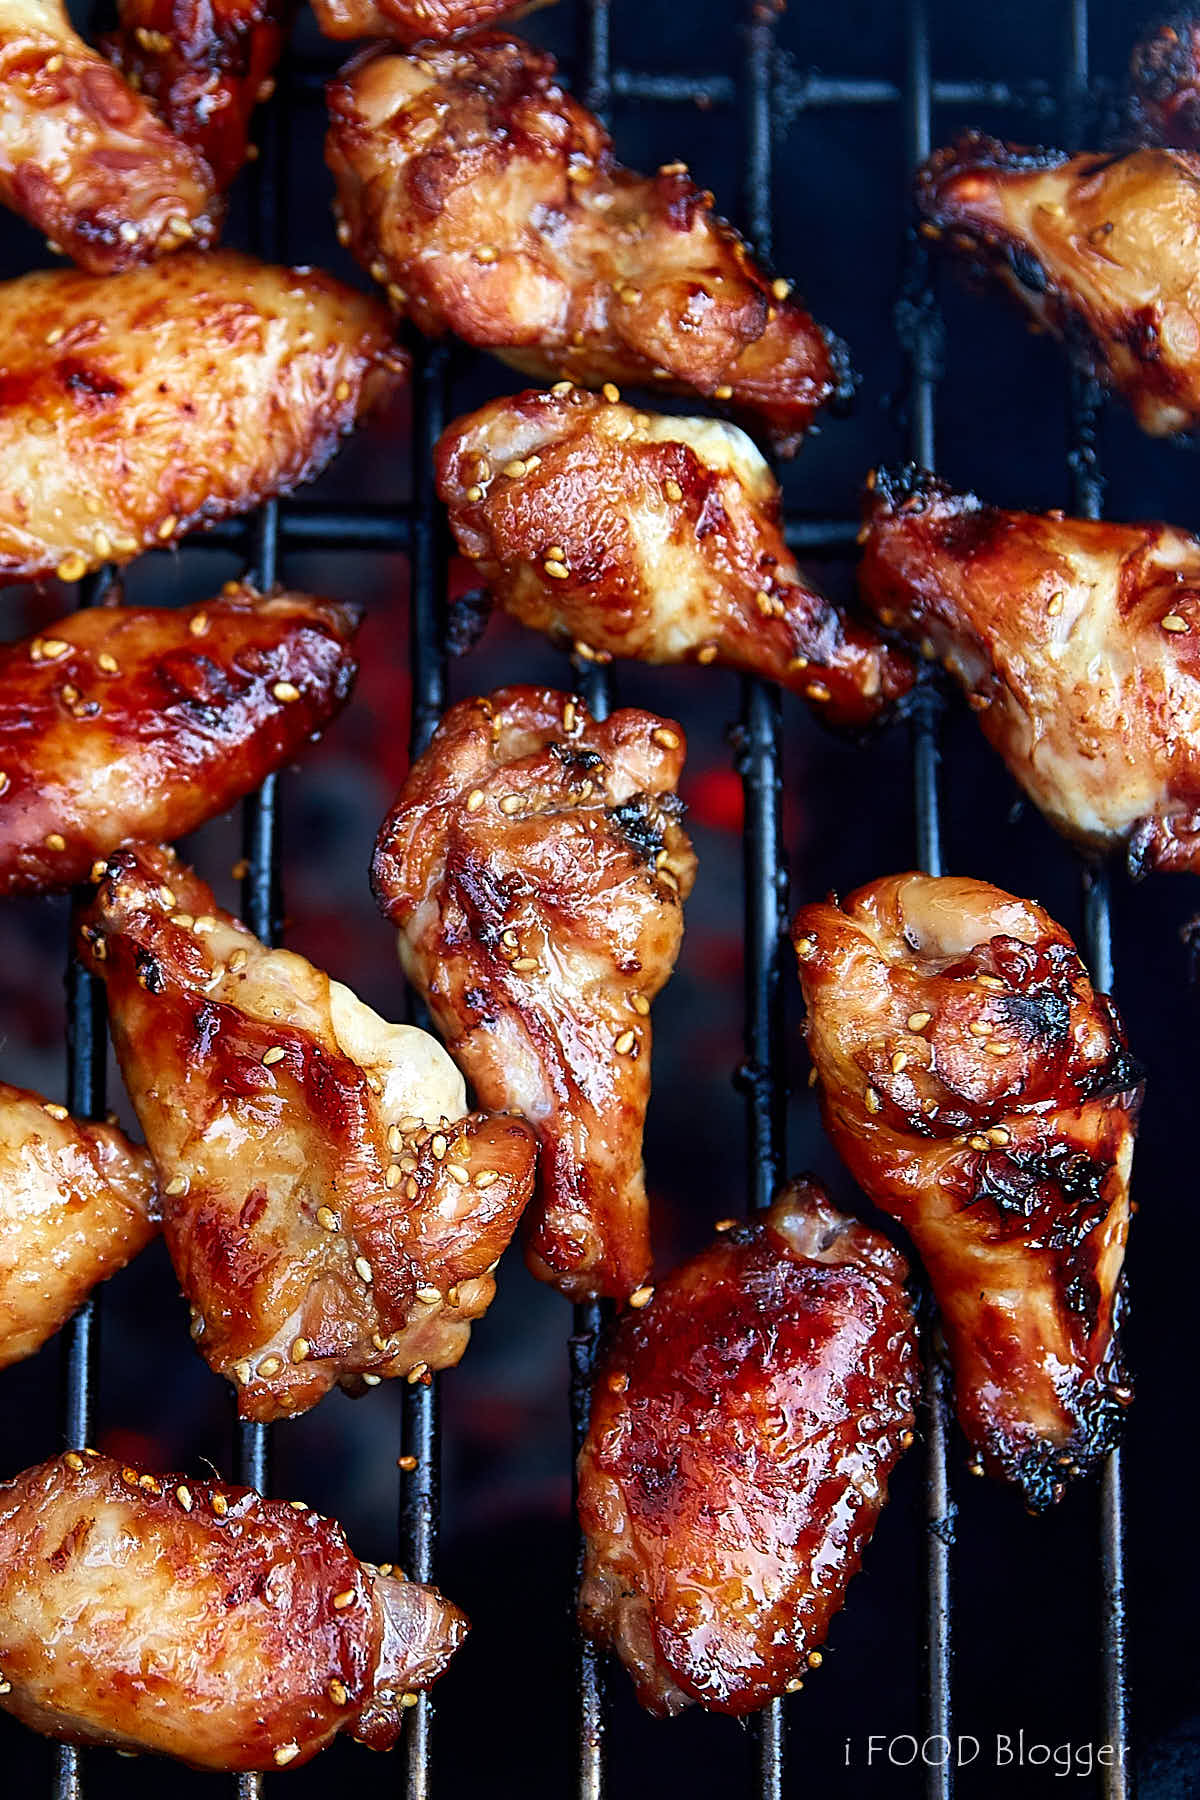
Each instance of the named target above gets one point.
<point>184,919</point>
<point>707,653</point>
<point>668,739</point>
<point>56,336</point>
<point>337,1692</point>
<point>275,1054</point>
<point>918,1021</point>
<point>437,1145</point>
<point>286,691</point>
<point>781,288</point>
<point>270,1365</point>
<point>569,716</point>
<point>899,1061</point>
<point>242,1371</point>
<point>474,493</point>
<point>363,1270</point>
<point>512,803</point>
<point>429,1296</point>
<point>805,946</point>
<point>558,571</point>
<point>300,1349</point>
<point>474,800</point>
<point>220,1505</point>
<point>641,1297</point>
<point>625,1042</point>
<point>673,491</point>
<point>980,1028</point>
<point>55,841</point>
<point>198,624</point>
<point>184,1496</point>
<point>816,690</point>
<point>178,1184</point>
<point>72,1460</point>
<point>524,963</point>
<point>486,1178</point>
<point>416,1372</point>
<point>457,1173</point>
<point>724,392</point>
<point>999,1134</point>
<point>392,1175</point>
<point>1173,622</point>
<point>991,981</point>
<point>101,543</point>
<point>487,253</point>
<point>514,469</point>
<point>997,1049</point>
<point>53,648</point>
<point>1054,605</point>
<point>977,1143</point>
<point>342,391</point>
<point>3,780</point>
<point>872,1101</point>
<point>407,1463</point>
<point>408,1700</point>
<point>108,663</point>
<point>71,567</point>
<point>793,1686</point>
<point>166,896</point>
<point>287,1753</point>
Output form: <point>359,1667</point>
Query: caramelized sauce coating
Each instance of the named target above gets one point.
<point>744,1426</point>
<point>635,534</point>
<point>198,1620</point>
<point>122,723</point>
<point>536,866</point>
<point>77,1203</point>
<point>980,1091</point>
<point>491,204</point>
<point>333,1211</point>
<point>1165,78</point>
<point>412,21</point>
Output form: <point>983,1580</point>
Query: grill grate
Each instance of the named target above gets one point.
<point>768,92</point>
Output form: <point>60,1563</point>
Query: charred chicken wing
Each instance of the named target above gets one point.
<point>204,65</point>
<point>980,1091</point>
<point>744,1426</point>
<point>1165,78</point>
<point>137,407</point>
<point>1102,249</point>
<point>121,723</point>
<point>491,204</point>
<point>77,1203</point>
<point>411,21</point>
<point>1074,641</point>
<point>333,1212</point>
<point>536,866</point>
<point>198,1620</point>
<point>639,535</point>
<point>84,157</point>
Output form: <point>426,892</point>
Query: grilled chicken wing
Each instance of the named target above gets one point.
<point>980,1091</point>
<point>121,723</point>
<point>634,534</point>
<point>137,407</point>
<point>1165,78</point>
<point>536,867</point>
<point>198,1620</point>
<point>204,65</point>
<point>84,157</point>
<point>77,1203</point>
<point>1078,644</point>
<point>743,1429</point>
<point>491,204</point>
<point>1102,249</point>
<point>333,1212</point>
<point>412,21</point>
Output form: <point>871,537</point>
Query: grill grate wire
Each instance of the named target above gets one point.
<point>769,91</point>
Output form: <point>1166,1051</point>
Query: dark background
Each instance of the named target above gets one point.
<point>1026,1591</point>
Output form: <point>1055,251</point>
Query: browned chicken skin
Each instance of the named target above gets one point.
<point>411,21</point>
<point>743,1430</point>
<point>980,1091</point>
<point>333,1212</point>
<point>204,65</point>
<point>1165,77</point>
<point>137,407</point>
<point>84,157</point>
<point>536,867</point>
<point>1078,643</point>
<point>1102,249</point>
<point>198,1620</point>
<point>635,534</point>
<point>77,1203</point>
<point>491,204</point>
<point>120,723</point>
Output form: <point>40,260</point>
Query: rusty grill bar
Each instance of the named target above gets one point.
<point>767,93</point>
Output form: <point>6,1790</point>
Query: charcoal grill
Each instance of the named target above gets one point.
<point>760,101</point>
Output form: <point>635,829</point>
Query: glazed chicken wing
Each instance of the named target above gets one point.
<point>1102,249</point>
<point>536,866</point>
<point>198,1620</point>
<point>121,723</point>
<point>77,1203</point>
<point>333,1212</point>
<point>743,1429</point>
<point>980,1091</point>
<point>204,65</point>
<point>84,157</point>
<point>491,204</point>
<point>412,21</point>
<point>137,407</point>
<point>1078,644</point>
<point>1165,78</point>
<point>633,534</point>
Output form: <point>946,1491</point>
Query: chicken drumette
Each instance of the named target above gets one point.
<point>980,1091</point>
<point>77,1203</point>
<point>135,407</point>
<point>635,534</point>
<point>1164,73</point>
<point>491,205</point>
<point>743,1429</point>
<point>1100,248</point>
<point>333,1211</point>
<point>536,866</point>
<point>1078,643</point>
<point>198,1620</point>
<point>118,724</point>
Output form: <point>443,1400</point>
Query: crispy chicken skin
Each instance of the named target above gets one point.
<point>333,1211</point>
<point>743,1430</point>
<point>199,1620</point>
<point>84,157</point>
<point>1101,248</point>
<point>77,1203</point>
<point>536,866</point>
<point>1164,74</point>
<point>412,21</point>
<point>204,65</point>
<point>1077,643</point>
<point>635,534</point>
<point>980,1091</point>
<point>491,204</point>
<point>123,723</point>
<point>136,407</point>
